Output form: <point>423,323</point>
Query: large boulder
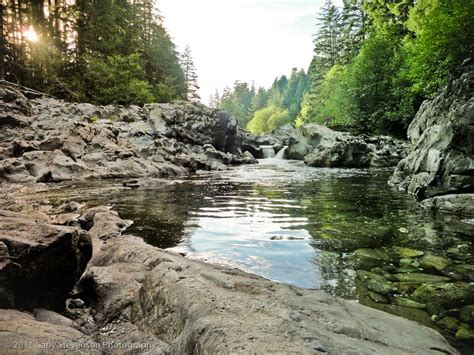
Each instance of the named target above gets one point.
<point>439,168</point>
<point>320,146</point>
<point>40,262</point>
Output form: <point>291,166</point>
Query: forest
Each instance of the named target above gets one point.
<point>103,52</point>
<point>374,61</point>
<point>374,64</point>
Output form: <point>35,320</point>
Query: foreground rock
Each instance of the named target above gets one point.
<point>47,140</point>
<point>320,146</point>
<point>439,168</point>
<point>39,262</point>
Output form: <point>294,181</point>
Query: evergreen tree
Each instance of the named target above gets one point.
<point>328,38</point>
<point>190,76</point>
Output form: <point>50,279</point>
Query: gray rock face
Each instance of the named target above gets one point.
<point>320,146</point>
<point>46,140</point>
<point>440,167</point>
<point>40,263</point>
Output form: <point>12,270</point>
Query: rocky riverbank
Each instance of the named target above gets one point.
<point>439,171</point>
<point>133,295</point>
<point>46,140</point>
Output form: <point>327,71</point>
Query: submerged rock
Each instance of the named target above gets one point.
<point>434,262</point>
<point>445,296</point>
<point>367,259</point>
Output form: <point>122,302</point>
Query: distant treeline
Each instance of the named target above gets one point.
<point>100,51</point>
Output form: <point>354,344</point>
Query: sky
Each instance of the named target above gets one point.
<point>244,40</point>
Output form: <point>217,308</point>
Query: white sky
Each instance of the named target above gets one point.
<point>246,40</point>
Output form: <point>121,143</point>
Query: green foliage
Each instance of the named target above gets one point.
<point>116,80</point>
<point>268,119</point>
<point>264,110</point>
<point>331,101</point>
<point>238,102</point>
<point>444,36</point>
<point>83,46</point>
<point>404,51</point>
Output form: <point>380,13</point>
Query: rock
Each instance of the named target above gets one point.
<point>69,141</point>
<point>367,259</point>
<point>382,287</point>
<point>366,275</point>
<point>439,167</point>
<point>320,146</point>
<point>405,302</point>
<point>444,296</point>
<point>467,314</point>
<point>448,323</point>
<point>464,271</point>
<point>465,333</point>
<point>192,305</point>
<point>433,262</point>
<point>407,252</point>
<point>459,203</point>
<point>377,297</point>
<point>43,262</point>
<point>20,332</point>
<point>417,277</point>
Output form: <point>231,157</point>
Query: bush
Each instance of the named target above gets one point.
<point>116,80</point>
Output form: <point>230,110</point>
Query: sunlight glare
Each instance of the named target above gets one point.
<point>30,35</point>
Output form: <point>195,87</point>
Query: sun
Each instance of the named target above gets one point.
<point>30,35</point>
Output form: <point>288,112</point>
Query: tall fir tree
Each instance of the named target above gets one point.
<point>190,76</point>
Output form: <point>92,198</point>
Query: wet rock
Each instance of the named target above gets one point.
<point>463,272</point>
<point>377,297</point>
<point>417,277</point>
<point>366,275</point>
<point>43,262</point>
<point>382,287</point>
<point>444,296</point>
<point>465,332</point>
<point>367,259</point>
<point>406,302</point>
<point>467,314</point>
<point>403,252</point>
<point>439,167</point>
<point>433,262</point>
<point>448,323</point>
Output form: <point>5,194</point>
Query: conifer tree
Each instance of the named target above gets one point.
<point>190,76</point>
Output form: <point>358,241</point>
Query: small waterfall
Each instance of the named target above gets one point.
<point>282,153</point>
<point>268,151</point>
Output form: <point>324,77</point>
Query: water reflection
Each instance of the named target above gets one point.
<point>285,221</point>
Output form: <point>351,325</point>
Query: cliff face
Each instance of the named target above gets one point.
<point>440,168</point>
<point>46,140</point>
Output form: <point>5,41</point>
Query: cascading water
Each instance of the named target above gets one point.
<point>268,151</point>
<point>282,153</point>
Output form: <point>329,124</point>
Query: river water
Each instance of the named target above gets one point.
<point>290,223</point>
